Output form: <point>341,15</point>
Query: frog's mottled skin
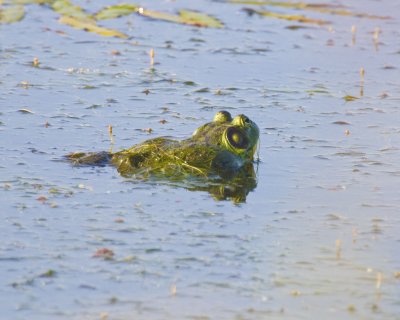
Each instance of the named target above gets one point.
<point>221,147</point>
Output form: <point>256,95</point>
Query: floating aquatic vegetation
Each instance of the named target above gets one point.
<point>294,5</point>
<point>194,18</point>
<point>350,98</point>
<point>296,27</point>
<point>288,17</point>
<point>67,9</point>
<point>11,14</point>
<point>350,13</point>
<point>188,17</point>
<point>28,1</point>
<point>334,9</point>
<point>315,91</point>
<point>76,17</point>
<point>160,15</point>
<point>199,19</point>
<point>116,11</point>
<point>341,123</point>
<point>91,27</point>
<point>24,110</point>
<point>48,274</point>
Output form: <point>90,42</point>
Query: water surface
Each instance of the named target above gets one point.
<point>319,234</point>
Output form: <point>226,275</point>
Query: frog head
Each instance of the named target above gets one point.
<point>239,135</point>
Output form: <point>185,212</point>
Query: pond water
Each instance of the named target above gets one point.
<point>318,236</point>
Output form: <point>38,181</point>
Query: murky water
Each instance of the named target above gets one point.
<point>319,235</point>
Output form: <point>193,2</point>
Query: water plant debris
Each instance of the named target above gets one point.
<point>78,18</point>
<point>11,14</point>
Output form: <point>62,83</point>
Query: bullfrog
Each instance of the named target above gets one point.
<point>223,148</point>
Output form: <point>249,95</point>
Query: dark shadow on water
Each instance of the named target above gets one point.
<point>234,187</point>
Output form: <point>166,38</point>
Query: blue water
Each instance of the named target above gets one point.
<point>319,234</point>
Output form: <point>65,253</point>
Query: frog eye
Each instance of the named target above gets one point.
<point>237,138</point>
<point>222,116</point>
<point>241,120</point>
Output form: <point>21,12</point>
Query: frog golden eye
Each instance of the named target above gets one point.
<point>242,121</point>
<point>237,138</point>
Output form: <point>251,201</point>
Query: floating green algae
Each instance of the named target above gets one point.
<point>11,14</point>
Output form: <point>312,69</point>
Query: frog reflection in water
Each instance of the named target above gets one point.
<point>222,150</point>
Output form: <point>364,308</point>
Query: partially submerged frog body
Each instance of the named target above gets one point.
<point>221,147</point>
